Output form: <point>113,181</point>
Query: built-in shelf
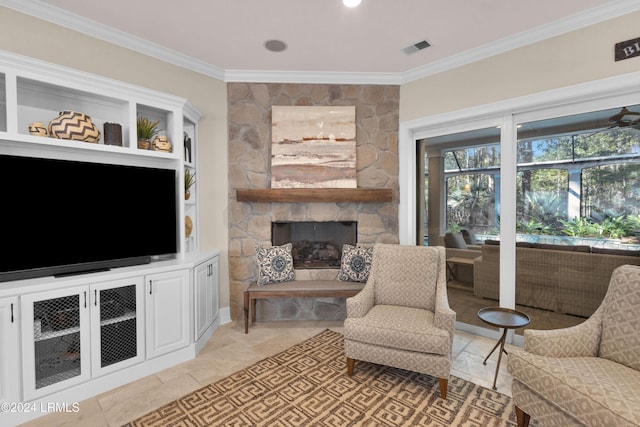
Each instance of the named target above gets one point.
<point>314,195</point>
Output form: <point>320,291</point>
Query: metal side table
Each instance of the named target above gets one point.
<point>502,318</point>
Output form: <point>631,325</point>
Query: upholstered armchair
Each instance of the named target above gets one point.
<point>402,317</point>
<point>587,374</point>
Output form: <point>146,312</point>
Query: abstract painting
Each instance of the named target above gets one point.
<point>313,147</point>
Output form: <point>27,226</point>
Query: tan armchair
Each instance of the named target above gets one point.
<point>402,317</point>
<point>588,374</point>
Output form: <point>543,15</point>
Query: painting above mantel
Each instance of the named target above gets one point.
<point>313,147</point>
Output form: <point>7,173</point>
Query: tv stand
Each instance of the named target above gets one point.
<point>79,335</point>
<point>77,273</point>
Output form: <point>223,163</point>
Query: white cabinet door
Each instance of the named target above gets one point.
<point>55,340</point>
<point>9,351</point>
<point>201,275</point>
<point>206,295</point>
<point>214,288</point>
<point>167,302</point>
<point>117,324</point>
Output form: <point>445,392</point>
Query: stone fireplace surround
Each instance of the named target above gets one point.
<point>249,129</point>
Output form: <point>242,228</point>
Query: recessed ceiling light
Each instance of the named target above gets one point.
<point>275,45</point>
<point>351,3</point>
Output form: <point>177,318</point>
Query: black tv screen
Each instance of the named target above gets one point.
<point>63,217</point>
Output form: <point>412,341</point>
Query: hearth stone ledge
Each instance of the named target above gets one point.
<point>283,309</point>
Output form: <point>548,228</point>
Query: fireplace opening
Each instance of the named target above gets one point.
<point>315,244</point>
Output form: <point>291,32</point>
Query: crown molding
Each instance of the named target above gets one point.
<point>100,31</point>
<point>92,28</point>
<point>331,77</point>
<point>538,34</point>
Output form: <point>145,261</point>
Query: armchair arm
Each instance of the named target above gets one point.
<point>359,304</point>
<point>445,317</point>
<point>582,340</point>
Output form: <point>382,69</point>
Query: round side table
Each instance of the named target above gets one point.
<point>502,318</point>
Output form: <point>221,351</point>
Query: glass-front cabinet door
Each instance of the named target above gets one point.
<point>55,346</point>
<point>116,325</point>
<point>71,335</point>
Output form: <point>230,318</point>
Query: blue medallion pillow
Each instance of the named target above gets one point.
<point>356,263</point>
<point>275,264</point>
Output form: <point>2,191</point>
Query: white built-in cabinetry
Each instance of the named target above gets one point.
<point>65,339</point>
<point>168,307</point>
<point>9,350</point>
<point>32,91</point>
<point>73,334</point>
<point>206,295</point>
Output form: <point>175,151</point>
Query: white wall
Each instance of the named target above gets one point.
<point>28,36</point>
<point>580,56</point>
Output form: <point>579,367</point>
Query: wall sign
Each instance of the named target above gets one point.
<point>627,49</point>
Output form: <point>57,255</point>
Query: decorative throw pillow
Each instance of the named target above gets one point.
<point>275,264</point>
<point>355,264</point>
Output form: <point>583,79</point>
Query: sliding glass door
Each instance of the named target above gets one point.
<point>462,212</point>
<point>577,211</point>
<point>535,209</point>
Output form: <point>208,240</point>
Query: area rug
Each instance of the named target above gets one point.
<point>307,385</point>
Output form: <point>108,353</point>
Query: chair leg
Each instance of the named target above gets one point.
<point>443,387</point>
<point>350,364</point>
<point>246,312</point>
<point>522,418</point>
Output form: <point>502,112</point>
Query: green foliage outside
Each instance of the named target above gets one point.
<point>609,190</point>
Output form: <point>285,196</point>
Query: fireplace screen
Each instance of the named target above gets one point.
<point>315,244</point>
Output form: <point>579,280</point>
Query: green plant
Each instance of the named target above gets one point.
<point>616,227</point>
<point>146,128</point>
<point>581,227</point>
<point>454,227</point>
<point>532,227</point>
<point>189,179</point>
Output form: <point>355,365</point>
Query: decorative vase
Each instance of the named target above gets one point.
<point>187,194</point>
<point>113,134</point>
<point>74,126</point>
<point>188,226</point>
<point>38,129</point>
<point>144,144</point>
<point>161,143</point>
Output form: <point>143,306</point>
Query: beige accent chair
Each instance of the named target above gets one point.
<point>402,317</point>
<point>588,374</point>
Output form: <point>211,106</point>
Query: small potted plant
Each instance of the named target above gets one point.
<point>146,131</point>
<point>189,180</point>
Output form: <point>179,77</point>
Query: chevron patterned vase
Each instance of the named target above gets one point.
<point>75,126</point>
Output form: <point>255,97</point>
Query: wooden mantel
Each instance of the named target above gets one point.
<point>314,195</point>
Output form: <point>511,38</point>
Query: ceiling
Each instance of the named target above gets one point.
<point>326,41</point>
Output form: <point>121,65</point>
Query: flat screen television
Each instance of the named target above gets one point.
<point>63,217</point>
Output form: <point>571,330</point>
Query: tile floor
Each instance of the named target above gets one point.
<point>230,350</point>
<point>466,306</point>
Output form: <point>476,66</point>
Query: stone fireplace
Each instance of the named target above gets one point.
<point>316,244</point>
<point>249,156</point>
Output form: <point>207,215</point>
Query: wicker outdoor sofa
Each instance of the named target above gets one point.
<point>564,279</point>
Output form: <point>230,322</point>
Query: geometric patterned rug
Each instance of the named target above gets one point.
<point>307,385</point>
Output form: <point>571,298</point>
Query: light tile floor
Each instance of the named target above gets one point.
<point>230,350</point>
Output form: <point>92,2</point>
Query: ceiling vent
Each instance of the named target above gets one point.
<point>422,44</point>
